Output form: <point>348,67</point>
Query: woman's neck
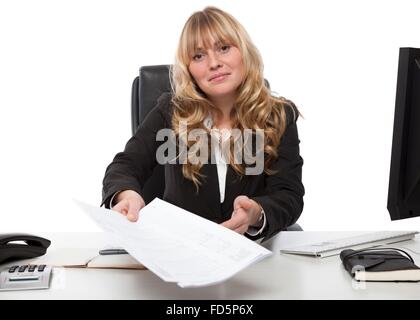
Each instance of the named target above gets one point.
<point>222,121</point>
<point>225,105</point>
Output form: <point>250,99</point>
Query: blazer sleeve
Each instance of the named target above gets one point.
<point>282,199</point>
<point>131,168</point>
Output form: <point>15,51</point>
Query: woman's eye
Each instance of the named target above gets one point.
<point>225,48</point>
<point>198,57</point>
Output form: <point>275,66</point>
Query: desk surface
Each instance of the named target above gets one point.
<point>280,276</point>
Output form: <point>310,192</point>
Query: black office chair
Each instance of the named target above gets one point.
<point>146,89</point>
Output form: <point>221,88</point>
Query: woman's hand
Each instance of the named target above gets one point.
<point>129,203</point>
<point>246,212</point>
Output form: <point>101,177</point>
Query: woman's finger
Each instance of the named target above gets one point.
<point>121,207</point>
<point>133,214</point>
<point>241,229</point>
<point>232,223</point>
<point>238,218</point>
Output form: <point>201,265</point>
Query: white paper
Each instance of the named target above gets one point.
<point>177,245</point>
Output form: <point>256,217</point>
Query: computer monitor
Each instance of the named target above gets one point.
<point>404,178</point>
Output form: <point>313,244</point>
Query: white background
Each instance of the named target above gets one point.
<point>66,69</point>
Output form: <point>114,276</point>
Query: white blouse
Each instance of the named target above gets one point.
<point>220,137</point>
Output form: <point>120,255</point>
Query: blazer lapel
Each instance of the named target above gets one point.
<point>210,189</point>
<point>235,184</point>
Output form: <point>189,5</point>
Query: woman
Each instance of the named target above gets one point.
<point>220,100</point>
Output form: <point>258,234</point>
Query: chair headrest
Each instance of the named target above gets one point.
<point>147,88</point>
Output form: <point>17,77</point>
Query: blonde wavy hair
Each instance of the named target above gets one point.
<point>255,107</point>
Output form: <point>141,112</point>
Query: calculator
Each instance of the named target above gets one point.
<point>25,277</point>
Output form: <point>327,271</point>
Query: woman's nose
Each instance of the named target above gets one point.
<point>214,62</point>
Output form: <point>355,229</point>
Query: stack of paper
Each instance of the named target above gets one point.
<point>178,245</point>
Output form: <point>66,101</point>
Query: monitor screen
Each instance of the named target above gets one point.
<point>404,178</point>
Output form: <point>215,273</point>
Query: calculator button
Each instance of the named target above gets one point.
<point>22,268</point>
<point>32,268</point>
<point>13,269</point>
<point>41,267</point>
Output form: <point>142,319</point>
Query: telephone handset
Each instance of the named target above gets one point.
<point>32,247</point>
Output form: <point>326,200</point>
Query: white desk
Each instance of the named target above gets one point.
<point>280,276</point>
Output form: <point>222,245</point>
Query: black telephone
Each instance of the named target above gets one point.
<point>34,246</point>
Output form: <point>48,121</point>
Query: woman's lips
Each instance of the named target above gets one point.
<point>218,78</point>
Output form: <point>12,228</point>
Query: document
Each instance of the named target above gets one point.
<point>177,245</point>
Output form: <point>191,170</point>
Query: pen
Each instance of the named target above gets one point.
<point>112,251</point>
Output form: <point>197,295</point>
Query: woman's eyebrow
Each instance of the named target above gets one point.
<point>201,50</point>
<point>216,44</point>
<point>219,43</point>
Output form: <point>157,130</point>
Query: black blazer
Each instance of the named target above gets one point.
<point>280,195</point>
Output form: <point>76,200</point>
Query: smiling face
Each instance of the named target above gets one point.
<point>217,69</point>
<point>215,58</point>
